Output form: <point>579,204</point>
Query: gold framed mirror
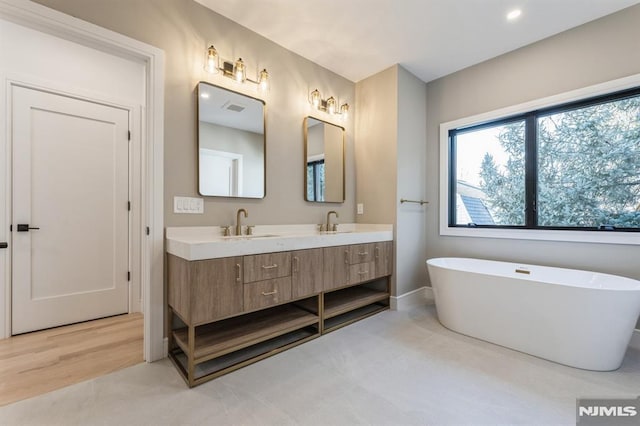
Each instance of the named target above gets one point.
<point>324,161</point>
<point>231,143</point>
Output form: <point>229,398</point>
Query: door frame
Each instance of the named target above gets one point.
<point>151,159</point>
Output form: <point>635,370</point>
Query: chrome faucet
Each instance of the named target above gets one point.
<point>238,222</point>
<point>329,219</point>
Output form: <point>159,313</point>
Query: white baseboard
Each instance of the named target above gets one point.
<point>417,297</point>
<point>635,339</point>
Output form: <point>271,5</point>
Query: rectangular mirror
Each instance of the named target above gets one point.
<point>231,143</point>
<point>324,161</point>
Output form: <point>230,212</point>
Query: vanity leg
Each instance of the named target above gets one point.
<point>169,328</point>
<point>191,356</point>
<point>321,312</point>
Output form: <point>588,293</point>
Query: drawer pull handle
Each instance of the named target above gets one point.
<point>363,253</point>
<point>237,272</point>
<point>363,272</point>
<point>275,265</point>
<point>295,263</point>
<point>270,293</point>
<point>346,256</point>
<point>377,252</point>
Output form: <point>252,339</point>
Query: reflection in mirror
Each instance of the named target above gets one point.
<point>231,143</point>
<point>324,158</point>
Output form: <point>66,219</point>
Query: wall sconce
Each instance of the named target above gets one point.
<point>236,70</point>
<point>329,105</point>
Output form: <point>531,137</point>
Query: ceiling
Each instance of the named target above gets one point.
<point>230,109</point>
<point>430,38</point>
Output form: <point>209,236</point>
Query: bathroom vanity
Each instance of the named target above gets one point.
<point>235,300</point>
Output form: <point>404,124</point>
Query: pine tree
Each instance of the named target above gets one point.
<point>588,168</point>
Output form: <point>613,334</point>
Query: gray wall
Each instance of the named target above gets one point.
<point>376,150</point>
<point>183,29</point>
<point>390,153</point>
<point>411,226</point>
<point>376,146</point>
<point>596,52</point>
<point>333,162</point>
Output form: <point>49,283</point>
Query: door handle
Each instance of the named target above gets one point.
<point>3,245</point>
<point>24,227</point>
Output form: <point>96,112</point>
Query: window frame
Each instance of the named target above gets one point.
<point>529,112</point>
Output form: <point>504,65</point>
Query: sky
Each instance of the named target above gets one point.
<point>471,149</point>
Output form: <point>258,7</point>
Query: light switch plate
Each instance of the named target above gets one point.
<point>189,205</point>
<point>360,208</point>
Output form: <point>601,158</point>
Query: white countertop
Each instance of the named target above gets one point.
<point>208,242</point>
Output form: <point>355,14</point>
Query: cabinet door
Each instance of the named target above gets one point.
<point>383,255</point>
<point>217,289</point>
<point>306,272</point>
<point>336,267</point>
<point>267,266</point>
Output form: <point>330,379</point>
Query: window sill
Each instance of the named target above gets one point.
<point>600,237</point>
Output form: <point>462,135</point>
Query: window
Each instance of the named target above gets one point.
<point>570,167</point>
<point>315,180</point>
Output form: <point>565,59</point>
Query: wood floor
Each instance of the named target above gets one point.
<point>35,363</point>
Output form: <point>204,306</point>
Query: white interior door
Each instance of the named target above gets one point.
<point>70,181</point>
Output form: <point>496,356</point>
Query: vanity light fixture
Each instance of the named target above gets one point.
<point>239,71</point>
<point>236,70</point>
<point>211,60</point>
<point>330,105</point>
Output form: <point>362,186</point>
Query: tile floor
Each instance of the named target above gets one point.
<point>396,368</point>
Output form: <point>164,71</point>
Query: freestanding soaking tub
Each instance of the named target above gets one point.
<point>577,318</point>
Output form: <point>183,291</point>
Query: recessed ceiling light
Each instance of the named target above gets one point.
<point>514,14</point>
<point>204,95</point>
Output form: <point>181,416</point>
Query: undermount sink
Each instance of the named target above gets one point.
<point>248,237</point>
<point>335,232</point>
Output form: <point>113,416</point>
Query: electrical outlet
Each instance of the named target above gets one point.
<point>360,208</point>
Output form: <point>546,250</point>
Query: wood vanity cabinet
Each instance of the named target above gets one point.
<point>237,310</point>
<point>205,290</point>
<point>361,288</point>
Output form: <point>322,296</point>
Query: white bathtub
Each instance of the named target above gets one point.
<point>577,318</point>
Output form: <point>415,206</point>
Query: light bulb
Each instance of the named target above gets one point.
<point>239,71</point>
<point>514,14</point>
<point>263,81</point>
<point>331,105</point>
<point>315,98</point>
<point>211,60</point>
<point>344,110</point>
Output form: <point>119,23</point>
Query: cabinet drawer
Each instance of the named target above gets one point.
<point>262,294</point>
<point>362,272</point>
<point>361,253</point>
<point>267,266</point>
